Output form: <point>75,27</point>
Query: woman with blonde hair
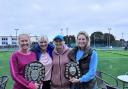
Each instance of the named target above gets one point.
<point>86,57</point>
<point>18,60</point>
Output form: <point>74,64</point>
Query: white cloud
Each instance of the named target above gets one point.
<point>49,16</point>
<point>95,8</point>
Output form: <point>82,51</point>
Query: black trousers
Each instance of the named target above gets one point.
<point>46,84</point>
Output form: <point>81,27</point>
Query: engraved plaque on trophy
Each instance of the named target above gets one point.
<point>34,71</point>
<point>72,70</point>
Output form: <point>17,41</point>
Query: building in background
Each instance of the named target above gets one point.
<point>11,40</point>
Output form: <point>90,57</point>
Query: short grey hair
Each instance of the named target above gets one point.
<point>43,37</point>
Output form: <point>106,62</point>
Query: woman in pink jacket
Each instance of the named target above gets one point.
<point>18,60</point>
<point>60,58</point>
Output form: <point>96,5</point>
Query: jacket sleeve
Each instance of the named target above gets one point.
<point>50,48</point>
<point>15,71</point>
<point>92,68</point>
<point>36,49</point>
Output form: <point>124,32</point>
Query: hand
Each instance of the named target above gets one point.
<point>74,80</point>
<point>37,85</point>
<point>31,85</point>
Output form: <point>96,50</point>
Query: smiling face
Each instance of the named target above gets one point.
<point>43,43</point>
<point>24,42</point>
<point>81,41</point>
<point>58,43</point>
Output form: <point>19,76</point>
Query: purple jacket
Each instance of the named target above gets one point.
<point>17,62</point>
<point>59,60</point>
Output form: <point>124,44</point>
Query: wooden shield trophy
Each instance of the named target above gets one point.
<point>72,70</point>
<point>35,72</point>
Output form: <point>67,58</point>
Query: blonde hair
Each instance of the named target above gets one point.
<point>86,35</point>
<point>20,35</point>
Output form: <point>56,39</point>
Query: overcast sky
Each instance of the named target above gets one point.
<point>37,17</point>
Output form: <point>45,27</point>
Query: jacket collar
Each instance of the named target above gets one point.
<point>72,53</point>
<point>65,49</point>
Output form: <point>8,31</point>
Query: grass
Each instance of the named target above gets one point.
<point>112,62</point>
<point>4,67</point>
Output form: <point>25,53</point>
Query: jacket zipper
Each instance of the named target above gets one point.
<point>60,71</point>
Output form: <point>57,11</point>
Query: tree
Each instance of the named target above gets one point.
<point>101,39</point>
<point>116,43</point>
<point>122,42</point>
<point>70,40</point>
<point>96,38</point>
<point>106,38</point>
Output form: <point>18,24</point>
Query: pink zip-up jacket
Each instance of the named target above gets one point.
<point>17,62</point>
<point>59,60</point>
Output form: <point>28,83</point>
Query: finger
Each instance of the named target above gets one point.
<point>37,85</point>
<point>71,79</point>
